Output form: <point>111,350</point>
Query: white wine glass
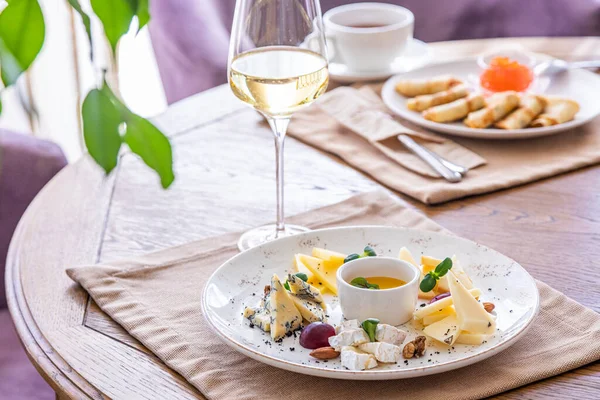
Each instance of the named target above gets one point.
<point>277,65</point>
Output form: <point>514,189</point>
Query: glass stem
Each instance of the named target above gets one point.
<point>279,127</point>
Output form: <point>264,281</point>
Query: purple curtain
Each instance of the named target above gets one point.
<point>190,37</point>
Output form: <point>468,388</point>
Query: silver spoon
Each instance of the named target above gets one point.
<point>555,67</point>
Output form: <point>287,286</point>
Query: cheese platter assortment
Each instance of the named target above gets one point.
<point>363,307</point>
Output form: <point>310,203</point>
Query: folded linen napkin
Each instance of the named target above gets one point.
<point>156,298</point>
<point>354,125</point>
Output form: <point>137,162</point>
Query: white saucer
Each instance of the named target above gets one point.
<point>416,55</point>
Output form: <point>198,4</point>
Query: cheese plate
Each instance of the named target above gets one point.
<point>233,303</point>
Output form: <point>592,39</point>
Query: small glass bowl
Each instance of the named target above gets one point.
<point>523,57</point>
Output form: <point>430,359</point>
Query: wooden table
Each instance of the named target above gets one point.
<point>225,182</point>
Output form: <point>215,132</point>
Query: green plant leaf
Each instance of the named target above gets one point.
<point>302,276</point>
<point>140,8</point>
<point>370,327</point>
<point>428,283</point>
<point>145,140</point>
<point>101,121</point>
<point>22,32</point>
<point>116,16</point>
<point>86,23</point>
<point>143,13</point>
<point>442,268</point>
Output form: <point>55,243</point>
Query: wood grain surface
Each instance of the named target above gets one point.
<point>224,162</point>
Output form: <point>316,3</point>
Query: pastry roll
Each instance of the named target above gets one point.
<point>530,107</point>
<point>455,110</point>
<point>416,87</point>
<point>423,102</point>
<point>497,107</point>
<point>557,111</point>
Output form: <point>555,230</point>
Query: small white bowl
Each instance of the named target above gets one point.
<point>391,306</point>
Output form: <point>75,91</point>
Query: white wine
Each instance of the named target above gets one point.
<point>278,80</point>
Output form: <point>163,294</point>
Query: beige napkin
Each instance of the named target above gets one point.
<point>156,298</point>
<point>350,123</point>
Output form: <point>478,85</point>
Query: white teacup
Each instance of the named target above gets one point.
<point>367,36</point>
<point>391,306</point>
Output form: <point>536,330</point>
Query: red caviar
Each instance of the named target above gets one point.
<point>505,74</point>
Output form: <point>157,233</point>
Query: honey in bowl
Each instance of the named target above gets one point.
<point>383,282</point>
<point>504,74</point>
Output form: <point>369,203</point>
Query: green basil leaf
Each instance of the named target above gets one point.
<point>351,257</point>
<point>360,282</point>
<point>145,140</point>
<point>86,23</point>
<point>427,284</point>
<point>369,252</point>
<point>101,120</point>
<point>443,267</point>
<point>302,276</point>
<point>372,286</point>
<point>22,31</point>
<point>370,327</point>
<point>116,16</point>
<point>286,285</point>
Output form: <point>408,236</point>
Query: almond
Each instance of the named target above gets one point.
<point>489,307</point>
<point>325,353</point>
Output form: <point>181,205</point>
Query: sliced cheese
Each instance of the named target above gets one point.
<point>323,274</point>
<point>356,360</point>
<point>445,331</point>
<point>470,313</point>
<point>460,273</point>
<point>407,256</point>
<point>429,263</point>
<point>474,339</point>
<point>285,317</point>
<point>312,279</point>
<point>441,304</point>
<point>438,315</point>
<point>332,258</point>
<point>383,352</point>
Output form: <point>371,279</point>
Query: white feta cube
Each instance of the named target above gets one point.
<point>356,360</point>
<point>347,325</point>
<point>352,337</point>
<point>389,334</point>
<point>384,352</point>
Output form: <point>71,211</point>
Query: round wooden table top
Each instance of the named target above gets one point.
<point>224,162</point>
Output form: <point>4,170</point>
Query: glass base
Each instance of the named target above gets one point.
<point>264,234</point>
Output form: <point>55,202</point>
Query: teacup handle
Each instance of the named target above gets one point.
<point>331,47</point>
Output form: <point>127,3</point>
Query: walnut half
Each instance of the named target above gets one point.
<point>416,348</point>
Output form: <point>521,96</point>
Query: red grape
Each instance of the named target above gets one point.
<point>315,335</point>
<point>439,297</point>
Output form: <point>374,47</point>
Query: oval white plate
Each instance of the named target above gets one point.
<point>240,281</point>
<point>579,85</point>
<point>416,55</point>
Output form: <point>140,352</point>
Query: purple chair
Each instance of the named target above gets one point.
<point>190,37</point>
<point>26,165</point>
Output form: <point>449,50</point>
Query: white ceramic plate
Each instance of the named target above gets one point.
<point>579,85</point>
<point>240,282</point>
<point>416,55</point>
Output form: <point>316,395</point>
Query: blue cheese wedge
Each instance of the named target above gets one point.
<point>470,313</point>
<point>285,317</point>
<point>347,325</point>
<point>389,334</point>
<point>304,290</point>
<point>259,316</point>
<point>383,352</point>
<point>445,331</point>
<point>310,310</point>
<point>351,337</point>
<point>356,360</point>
